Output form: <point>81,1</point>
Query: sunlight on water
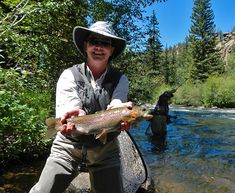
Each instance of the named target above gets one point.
<point>198,154</point>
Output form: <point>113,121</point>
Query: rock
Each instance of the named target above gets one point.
<point>81,184</point>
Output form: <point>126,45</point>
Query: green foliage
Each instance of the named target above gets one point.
<point>140,77</point>
<point>216,91</point>
<point>38,35</point>
<point>159,88</point>
<point>100,10</point>
<point>177,64</point>
<point>125,15</point>
<point>168,67</point>
<point>202,37</point>
<point>188,94</point>
<point>141,89</point>
<point>219,91</point>
<point>154,47</point>
<point>23,108</point>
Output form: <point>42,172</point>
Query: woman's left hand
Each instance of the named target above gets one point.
<point>125,125</point>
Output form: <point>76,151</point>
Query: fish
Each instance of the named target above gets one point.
<point>100,123</point>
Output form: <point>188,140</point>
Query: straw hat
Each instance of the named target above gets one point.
<point>103,28</point>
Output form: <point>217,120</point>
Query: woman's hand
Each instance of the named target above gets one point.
<point>67,128</point>
<point>125,125</point>
<point>113,105</point>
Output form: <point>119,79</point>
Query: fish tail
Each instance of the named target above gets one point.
<point>53,125</point>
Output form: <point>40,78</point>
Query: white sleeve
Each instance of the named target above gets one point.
<point>66,94</point>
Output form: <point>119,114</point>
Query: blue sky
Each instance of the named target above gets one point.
<point>174,18</point>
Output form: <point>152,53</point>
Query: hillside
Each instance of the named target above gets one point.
<point>225,45</point>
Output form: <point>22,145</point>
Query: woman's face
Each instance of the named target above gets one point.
<point>98,48</point>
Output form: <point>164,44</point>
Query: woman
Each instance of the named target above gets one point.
<point>84,89</point>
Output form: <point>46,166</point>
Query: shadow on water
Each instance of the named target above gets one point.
<point>196,156</point>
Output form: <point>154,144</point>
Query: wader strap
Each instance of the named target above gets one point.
<point>83,166</point>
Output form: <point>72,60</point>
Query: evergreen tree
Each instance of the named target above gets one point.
<point>203,42</point>
<point>166,66</point>
<point>172,67</point>
<point>154,47</point>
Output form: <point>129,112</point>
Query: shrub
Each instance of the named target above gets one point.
<point>219,91</point>
<point>23,108</point>
<point>188,95</point>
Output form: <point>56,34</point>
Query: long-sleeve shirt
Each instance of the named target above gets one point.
<point>67,96</point>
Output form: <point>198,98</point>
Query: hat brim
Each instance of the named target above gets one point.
<point>80,34</point>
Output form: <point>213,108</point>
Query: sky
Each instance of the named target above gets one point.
<point>174,18</point>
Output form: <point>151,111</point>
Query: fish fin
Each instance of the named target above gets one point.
<point>53,125</point>
<point>102,136</point>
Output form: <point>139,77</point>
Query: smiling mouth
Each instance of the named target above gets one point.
<point>95,54</point>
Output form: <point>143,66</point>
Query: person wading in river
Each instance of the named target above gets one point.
<point>97,86</point>
<point>161,116</point>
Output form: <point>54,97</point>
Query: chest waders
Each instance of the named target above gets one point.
<point>93,101</point>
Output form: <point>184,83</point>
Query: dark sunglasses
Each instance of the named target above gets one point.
<point>100,42</point>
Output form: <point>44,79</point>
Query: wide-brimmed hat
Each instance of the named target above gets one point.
<point>80,34</point>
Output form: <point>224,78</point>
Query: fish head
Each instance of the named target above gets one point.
<point>141,113</point>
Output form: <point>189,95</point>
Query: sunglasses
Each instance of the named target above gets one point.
<point>100,42</point>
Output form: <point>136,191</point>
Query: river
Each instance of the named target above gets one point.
<point>197,155</point>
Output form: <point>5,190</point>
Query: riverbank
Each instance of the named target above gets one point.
<point>20,177</point>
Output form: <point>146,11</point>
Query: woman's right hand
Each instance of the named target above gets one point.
<point>68,127</point>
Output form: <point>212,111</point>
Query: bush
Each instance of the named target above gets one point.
<point>219,92</point>
<point>23,108</point>
<point>159,89</point>
<point>141,89</point>
<point>188,95</point>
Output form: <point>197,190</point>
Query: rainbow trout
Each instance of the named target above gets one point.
<point>100,123</point>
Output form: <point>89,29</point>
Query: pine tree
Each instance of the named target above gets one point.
<point>172,67</point>
<point>154,48</point>
<point>202,38</point>
<point>166,65</point>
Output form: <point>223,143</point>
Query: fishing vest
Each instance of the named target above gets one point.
<point>94,100</point>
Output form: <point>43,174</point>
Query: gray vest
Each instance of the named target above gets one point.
<point>94,101</point>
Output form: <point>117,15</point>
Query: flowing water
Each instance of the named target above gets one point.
<point>197,155</point>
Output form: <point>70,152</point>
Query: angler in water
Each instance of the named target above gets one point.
<point>82,90</point>
<point>160,113</point>
<point>100,123</point>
